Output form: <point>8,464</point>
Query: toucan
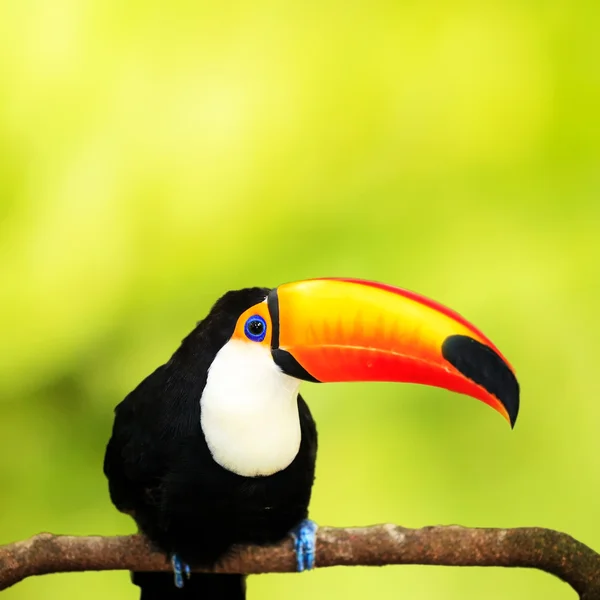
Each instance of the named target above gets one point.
<point>217,447</point>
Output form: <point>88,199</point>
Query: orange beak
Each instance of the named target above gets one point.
<point>334,330</point>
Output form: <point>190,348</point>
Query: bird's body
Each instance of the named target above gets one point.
<point>187,503</point>
<point>217,448</point>
<point>162,472</point>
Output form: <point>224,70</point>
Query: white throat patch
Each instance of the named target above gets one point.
<point>249,411</point>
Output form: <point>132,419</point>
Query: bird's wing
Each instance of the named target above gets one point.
<point>134,462</point>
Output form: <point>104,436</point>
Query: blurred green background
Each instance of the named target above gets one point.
<point>154,155</point>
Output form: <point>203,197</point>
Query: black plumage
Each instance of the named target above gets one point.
<point>160,469</point>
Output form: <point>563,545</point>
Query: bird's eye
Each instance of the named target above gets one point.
<point>255,328</point>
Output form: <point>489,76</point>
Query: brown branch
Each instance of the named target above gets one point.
<point>551,551</point>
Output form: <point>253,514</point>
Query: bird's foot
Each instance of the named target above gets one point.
<point>305,543</point>
<point>179,570</point>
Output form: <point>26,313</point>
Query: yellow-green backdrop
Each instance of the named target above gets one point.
<point>154,155</point>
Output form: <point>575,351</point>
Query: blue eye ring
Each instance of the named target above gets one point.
<point>255,328</point>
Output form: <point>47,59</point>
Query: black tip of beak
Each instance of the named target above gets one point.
<point>482,365</point>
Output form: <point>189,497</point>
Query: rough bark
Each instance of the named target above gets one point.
<point>551,551</point>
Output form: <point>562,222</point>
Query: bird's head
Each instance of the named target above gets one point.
<point>342,330</point>
<point>261,344</point>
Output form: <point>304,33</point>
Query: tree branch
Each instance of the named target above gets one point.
<point>551,551</point>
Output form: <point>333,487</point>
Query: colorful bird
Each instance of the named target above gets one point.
<point>217,447</point>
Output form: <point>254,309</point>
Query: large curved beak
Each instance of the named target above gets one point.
<point>328,330</point>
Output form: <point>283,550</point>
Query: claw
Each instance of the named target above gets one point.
<point>305,541</point>
<point>179,569</point>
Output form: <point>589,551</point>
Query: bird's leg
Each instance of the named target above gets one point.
<point>305,542</point>
<point>179,570</point>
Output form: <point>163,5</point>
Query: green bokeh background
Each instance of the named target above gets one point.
<point>154,155</point>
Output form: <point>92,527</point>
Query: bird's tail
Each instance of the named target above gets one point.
<point>200,586</point>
